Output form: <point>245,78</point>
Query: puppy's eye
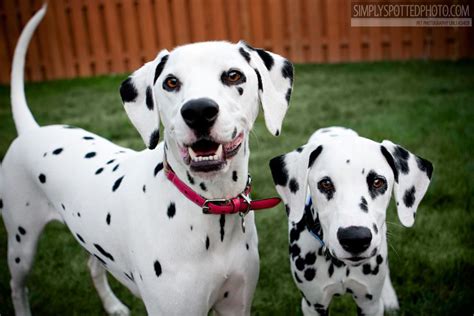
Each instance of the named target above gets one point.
<point>232,77</point>
<point>378,183</point>
<point>171,83</point>
<point>326,185</point>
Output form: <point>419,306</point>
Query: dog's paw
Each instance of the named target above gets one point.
<point>390,301</point>
<point>118,310</point>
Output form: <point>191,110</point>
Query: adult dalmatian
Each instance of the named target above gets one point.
<point>337,229</point>
<point>120,204</point>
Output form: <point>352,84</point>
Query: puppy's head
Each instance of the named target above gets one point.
<point>350,181</point>
<point>207,96</point>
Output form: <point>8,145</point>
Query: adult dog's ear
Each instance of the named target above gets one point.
<point>412,177</point>
<point>290,175</point>
<point>275,83</point>
<point>140,102</point>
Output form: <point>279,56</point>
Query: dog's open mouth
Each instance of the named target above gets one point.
<point>206,155</point>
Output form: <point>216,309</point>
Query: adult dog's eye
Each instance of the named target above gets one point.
<point>232,77</point>
<point>171,83</point>
<point>378,183</point>
<point>326,185</point>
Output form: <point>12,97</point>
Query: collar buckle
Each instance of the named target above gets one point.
<point>206,208</point>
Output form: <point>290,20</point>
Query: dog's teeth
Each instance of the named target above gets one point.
<point>192,154</point>
<point>219,152</point>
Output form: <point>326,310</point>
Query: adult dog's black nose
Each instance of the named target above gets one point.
<point>200,114</point>
<point>354,239</point>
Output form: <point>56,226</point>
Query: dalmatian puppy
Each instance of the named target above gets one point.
<point>337,229</point>
<point>118,203</point>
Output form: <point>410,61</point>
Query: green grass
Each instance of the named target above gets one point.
<point>428,107</point>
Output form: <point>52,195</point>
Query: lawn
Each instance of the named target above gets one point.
<point>428,107</point>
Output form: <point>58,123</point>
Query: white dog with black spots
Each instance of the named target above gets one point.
<point>118,203</point>
<point>337,229</point>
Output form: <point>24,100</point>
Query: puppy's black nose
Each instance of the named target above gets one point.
<point>354,239</point>
<point>200,114</point>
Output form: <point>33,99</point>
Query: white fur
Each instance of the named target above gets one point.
<point>118,203</point>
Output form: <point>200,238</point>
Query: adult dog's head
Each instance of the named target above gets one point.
<point>207,96</point>
<point>350,180</point>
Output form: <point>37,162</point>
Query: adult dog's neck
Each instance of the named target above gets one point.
<point>218,185</point>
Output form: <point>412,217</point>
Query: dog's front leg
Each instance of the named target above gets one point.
<point>111,303</point>
<point>369,307</point>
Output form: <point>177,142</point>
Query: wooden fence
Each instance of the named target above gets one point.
<point>92,37</point>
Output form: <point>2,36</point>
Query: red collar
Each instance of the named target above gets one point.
<point>239,204</point>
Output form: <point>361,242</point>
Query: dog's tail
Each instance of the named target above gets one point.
<point>22,116</point>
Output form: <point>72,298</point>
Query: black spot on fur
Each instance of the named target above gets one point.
<point>363,204</point>
<point>425,166</point>
<point>300,149</point>
<point>130,276</point>
<point>90,155</point>
<point>190,179</point>
<point>366,268</point>
<point>279,171</point>
<point>18,238</point>
<point>409,197</point>
<point>368,296</point>
<point>259,79</point>
<point>348,161</point>
<point>98,171</point>
<point>1,203</point>
<point>244,54</point>
<point>149,98</point>
<point>348,271</point>
<point>287,70</point>
<point>363,170</point>
<point>107,219</point>
<point>80,238</point>
<point>297,278</point>
<point>42,178</point>
<point>226,294</point>
<point>154,138</point>
<point>222,225</point>
<point>247,246</point>
<point>277,133</point>
<point>103,252</point>
<point>110,161</point>
<point>171,210</point>
<point>203,186</point>
<point>117,183</point>
<point>288,95</point>
<point>144,188</point>
<point>390,162</point>
<point>348,290</point>
<point>63,207</point>
<point>401,156</point>
<point>207,242</point>
<point>374,192</point>
<point>88,137</point>
<point>293,185</point>
<point>159,67</point>
<point>158,168</point>
<point>21,230</point>
<point>309,274</point>
<point>294,250</point>
<point>287,210</point>
<point>115,168</point>
<point>300,264</point>
<point>310,258</point>
<point>234,176</point>
<point>374,226</point>
<point>240,90</point>
<point>57,151</point>
<point>379,259</point>
<point>157,267</point>
<point>128,92</point>
<point>331,270</point>
<point>17,260</point>
<point>314,154</point>
<point>267,58</point>
<point>100,259</point>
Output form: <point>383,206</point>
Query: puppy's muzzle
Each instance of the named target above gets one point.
<point>200,115</point>
<point>354,239</point>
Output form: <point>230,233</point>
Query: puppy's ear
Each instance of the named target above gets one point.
<point>275,83</point>
<point>139,100</point>
<point>290,175</point>
<point>412,177</point>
